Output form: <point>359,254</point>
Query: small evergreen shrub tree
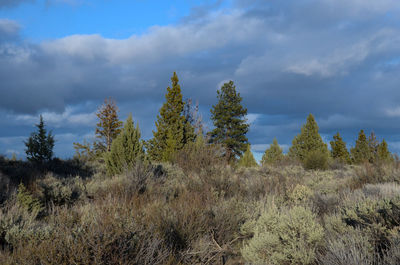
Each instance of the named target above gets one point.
<point>27,201</point>
<point>247,160</point>
<point>39,147</point>
<point>273,154</point>
<point>383,153</point>
<point>308,146</point>
<point>361,152</point>
<point>316,159</point>
<point>126,149</point>
<point>339,150</point>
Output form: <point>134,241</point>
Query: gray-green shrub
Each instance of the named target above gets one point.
<point>284,236</point>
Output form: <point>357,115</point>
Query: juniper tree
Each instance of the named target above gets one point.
<point>309,141</point>
<point>39,146</point>
<point>272,154</point>
<point>172,129</point>
<point>383,153</point>
<point>109,125</point>
<point>229,118</point>
<point>339,150</point>
<point>126,149</point>
<point>247,159</point>
<point>361,152</point>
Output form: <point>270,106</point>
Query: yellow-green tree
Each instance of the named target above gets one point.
<point>309,141</point>
<point>339,150</point>
<point>273,154</point>
<point>247,159</point>
<point>173,131</point>
<point>361,152</point>
<point>383,152</point>
<point>126,149</point>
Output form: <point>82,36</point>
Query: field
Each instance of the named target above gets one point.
<point>198,210</point>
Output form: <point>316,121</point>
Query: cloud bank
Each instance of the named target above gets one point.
<point>338,59</point>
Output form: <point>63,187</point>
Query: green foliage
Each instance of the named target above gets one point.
<point>109,126</point>
<point>229,120</point>
<point>173,130</point>
<point>39,147</point>
<point>27,201</point>
<point>199,156</point>
<point>273,154</point>
<point>59,191</point>
<point>88,151</point>
<point>286,236</point>
<point>316,159</point>
<point>373,147</point>
<point>339,150</point>
<point>247,160</point>
<point>126,149</point>
<point>383,153</point>
<point>300,194</point>
<point>361,152</point>
<point>308,146</point>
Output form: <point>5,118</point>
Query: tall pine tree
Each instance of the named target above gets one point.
<point>126,149</point>
<point>39,147</point>
<point>229,118</point>
<point>339,150</point>
<point>308,141</point>
<point>173,130</point>
<point>361,152</point>
<point>273,154</point>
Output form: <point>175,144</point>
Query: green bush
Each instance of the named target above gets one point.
<point>285,236</point>
<point>316,160</point>
<point>27,201</point>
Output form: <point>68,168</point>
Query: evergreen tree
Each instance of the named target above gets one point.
<point>109,126</point>
<point>126,149</point>
<point>229,118</point>
<point>308,141</point>
<point>373,144</point>
<point>273,154</point>
<point>39,147</point>
<point>361,152</point>
<point>383,153</point>
<point>339,150</point>
<point>173,130</point>
<point>247,160</point>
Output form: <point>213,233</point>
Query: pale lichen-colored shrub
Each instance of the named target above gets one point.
<point>350,248</point>
<point>284,236</point>
<point>60,191</point>
<point>300,194</point>
<point>18,224</point>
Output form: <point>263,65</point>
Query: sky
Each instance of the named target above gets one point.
<point>336,59</point>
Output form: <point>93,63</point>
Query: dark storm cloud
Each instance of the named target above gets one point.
<point>338,59</point>
<point>12,3</point>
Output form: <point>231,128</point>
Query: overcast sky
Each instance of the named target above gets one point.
<point>337,59</point>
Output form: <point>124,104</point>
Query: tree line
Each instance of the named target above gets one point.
<point>179,125</point>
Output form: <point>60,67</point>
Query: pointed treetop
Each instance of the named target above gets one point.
<point>273,154</point>
<point>339,150</point>
<point>247,160</point>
